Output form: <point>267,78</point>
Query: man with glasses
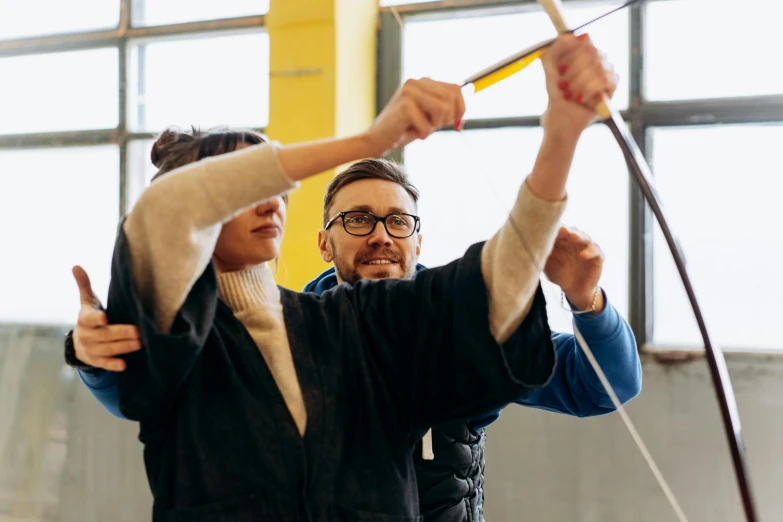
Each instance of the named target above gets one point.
<point>366,190</point>
<point>450,459</point>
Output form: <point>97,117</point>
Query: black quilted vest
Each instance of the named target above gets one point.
<point>451,487</point>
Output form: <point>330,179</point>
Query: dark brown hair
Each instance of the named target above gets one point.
<point>175,148</point>
<point>369,169</point>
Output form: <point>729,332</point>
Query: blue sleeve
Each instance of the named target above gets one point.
<point>575,388</point>
<point>103,387</point>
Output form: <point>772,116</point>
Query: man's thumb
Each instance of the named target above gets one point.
<point>86,295</point>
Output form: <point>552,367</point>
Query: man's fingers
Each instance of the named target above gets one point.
<point>581,235</point>
<point>593,251</point>
<point>91,336</point>
<point>577,242</point>
<point>90,317</point>
<point>116,332</point>
<point>103,354</point>
<point>572,239</point>
<point>112,349</point>
<point>108,363</point>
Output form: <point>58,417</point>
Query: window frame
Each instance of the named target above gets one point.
<point>641,114</point>
<point>121,37</point>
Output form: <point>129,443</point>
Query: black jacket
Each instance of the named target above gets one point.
<point>378,364</point>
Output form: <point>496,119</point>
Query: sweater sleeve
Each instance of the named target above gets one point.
<point>162,279</point>
<point>512,260</point>
<point>173,228</point>
<point>575,388</point>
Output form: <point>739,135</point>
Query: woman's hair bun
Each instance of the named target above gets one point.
<point>167,141</point>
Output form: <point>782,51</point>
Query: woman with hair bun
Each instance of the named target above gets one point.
<point>259,403</point>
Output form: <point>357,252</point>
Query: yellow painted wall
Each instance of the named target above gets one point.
<point>322,84</point>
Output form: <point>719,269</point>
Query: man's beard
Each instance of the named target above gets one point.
<point>348,272</point>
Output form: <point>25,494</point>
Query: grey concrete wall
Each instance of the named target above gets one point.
<point>548,467</point>
<point>62,458</point>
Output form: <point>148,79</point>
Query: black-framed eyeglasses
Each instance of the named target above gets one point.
<point>360,223</point>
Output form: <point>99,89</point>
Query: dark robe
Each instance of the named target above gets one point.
<point>378,363</point>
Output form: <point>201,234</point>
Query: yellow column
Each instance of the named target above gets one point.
<point>322,84</point>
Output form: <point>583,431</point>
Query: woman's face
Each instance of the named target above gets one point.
<point>251,238</point>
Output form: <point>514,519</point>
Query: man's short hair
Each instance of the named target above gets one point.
<point>369,169</point>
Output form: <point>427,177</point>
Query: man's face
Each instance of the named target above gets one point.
<point>378,255</point>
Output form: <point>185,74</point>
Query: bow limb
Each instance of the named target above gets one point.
<point>518,61</point>
<point>717,363</point>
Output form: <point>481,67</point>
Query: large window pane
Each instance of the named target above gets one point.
<point>164,12</point>
<point>708,49</point>
<point>478,173</point>
<point>204,81</point>
<point>453,49</point>
<point>59,91</point>
<point>721,188</point>
<point>59,207</point>
<point>22,19</point>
